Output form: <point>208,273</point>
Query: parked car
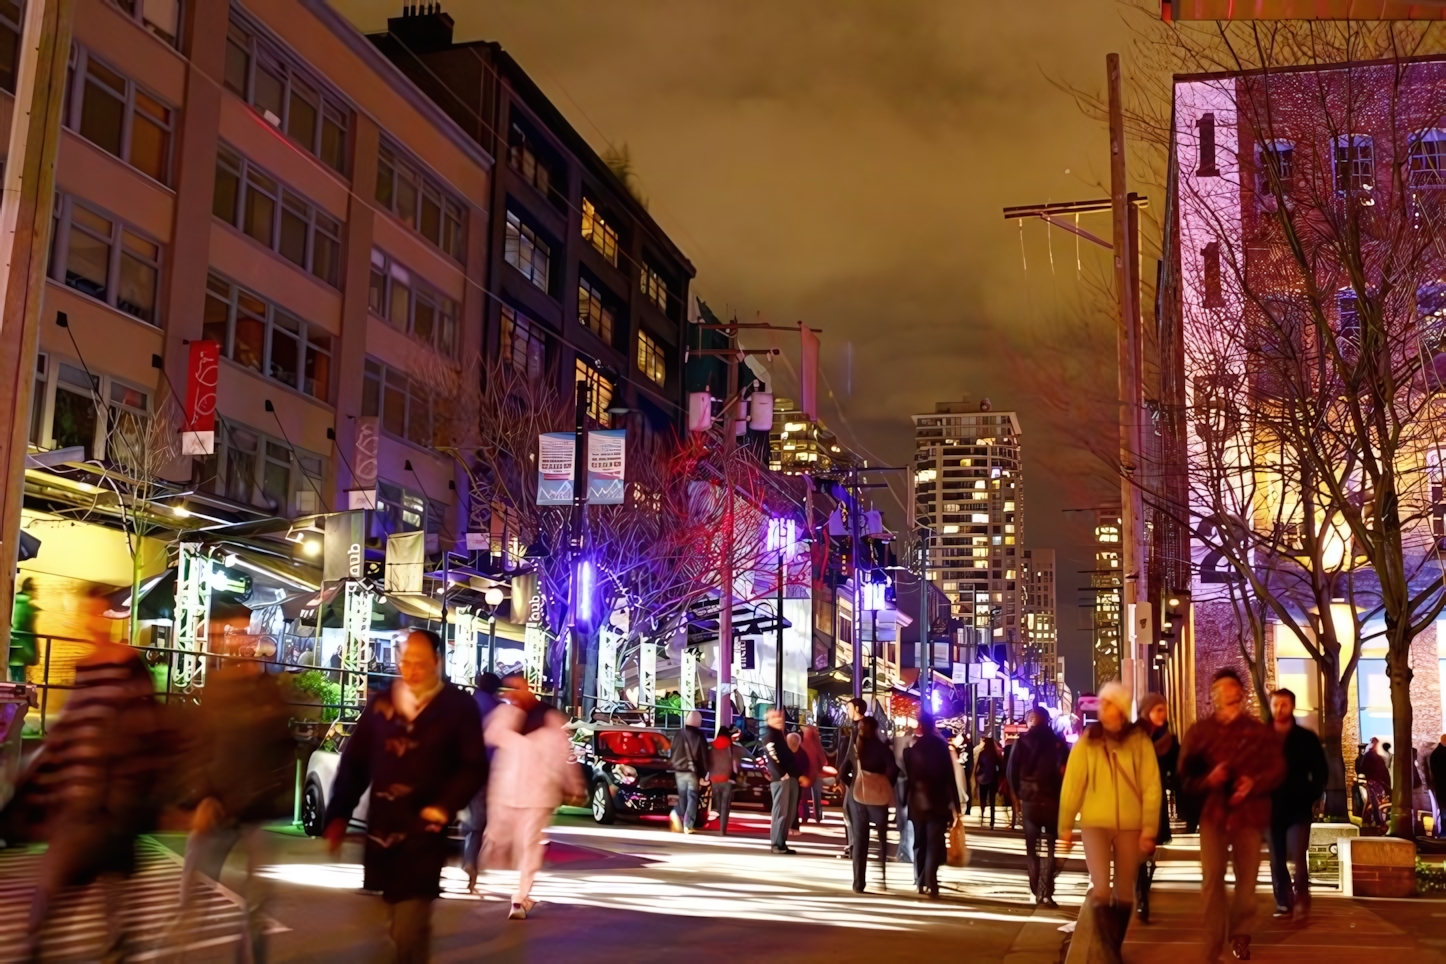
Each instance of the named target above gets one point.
<point>627,768</point>
<point>320,775</point>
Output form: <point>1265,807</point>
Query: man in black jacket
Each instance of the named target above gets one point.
<point>1291,807</point>
<point>783,781</point>
<point>848,753</point>
<point>690,766</point>
<point>932,797</point>
<point>1036,772</point>
<point>1436,773</point>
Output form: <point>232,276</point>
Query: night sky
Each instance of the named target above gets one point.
<point>846,162</point>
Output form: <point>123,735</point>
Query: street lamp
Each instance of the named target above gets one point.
<point>875,594</point>
<point>493,598</point>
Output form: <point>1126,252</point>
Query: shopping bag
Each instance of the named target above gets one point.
<point>958,855</point>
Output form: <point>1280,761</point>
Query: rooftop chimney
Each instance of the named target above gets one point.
<point>422,29</point>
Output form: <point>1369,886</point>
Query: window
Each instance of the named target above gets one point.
<point>420,201</point>
<point>261,75</point>
<point>128,418</point>
<point>247,198</point>
<point>1214,294</point>
<point>37,400</point>
<point>524,344</point>
<point>118,117</point>
<point>526,252</point>
<point>1355,166</point>
<point>593,311</point>
<point>76,415</point>
<point>102,257</point>
<point>1431,308</point>
<point>651,359</point>
<point>597,231</point>
<point>403,404</point>
<point>266,339</point>
<point>1348,308</point>
<point>399,509</point>
<point>10,17</point>
<point>160,17</point>
<point>655,289</point>
<point>412,305</point>
<point>599,395</point>
<point>1428,158</point>
<point>527,158</point>
<point>253,468</point>
<point>1206,126</point>
<point>1277,161</point>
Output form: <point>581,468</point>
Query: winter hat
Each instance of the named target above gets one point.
<point>1114,692</point>
<point>694,718</point>
<point>1149,702</point>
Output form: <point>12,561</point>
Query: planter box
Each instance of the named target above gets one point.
<point>1378,867</point>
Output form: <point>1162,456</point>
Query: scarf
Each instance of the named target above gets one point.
<point>410,702</point>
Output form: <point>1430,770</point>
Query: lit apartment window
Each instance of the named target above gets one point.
<point>160,17</point>
<point>600,392</point>
<point>403,403</point>
<point>528,160</point>
<point>420,201</point>
<point>118,117</point>
<point>524,344</point>
<point>526,252</point>
<point>266,339</point>
<point>286,97</point>
<point>655,289</point>
<point>101,256</point>
<point>11,14</point>
<point>651,360</point>
<point>1428,158</point>
<point>412,305</point>
<point>1355,166</point>
<point>593,311</point>
<point>598,232</point>
<point>246,197</point>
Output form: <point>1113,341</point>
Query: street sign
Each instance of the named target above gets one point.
<point>960,673</point>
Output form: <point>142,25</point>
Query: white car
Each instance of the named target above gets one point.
<point>316,788</point>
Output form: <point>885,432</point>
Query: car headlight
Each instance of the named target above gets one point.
<point>625,773</point>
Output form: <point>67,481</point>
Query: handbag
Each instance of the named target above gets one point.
<point>873,789</point>
<point>957,856</point>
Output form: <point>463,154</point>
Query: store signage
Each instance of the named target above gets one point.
<point>556,465</point>
<point>198,436</point>
<point>606,465</point>
<point>345,546</point>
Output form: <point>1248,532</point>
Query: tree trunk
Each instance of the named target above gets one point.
<point>1334,696</point>
<point>135,621</point>
<point>1399,669</point>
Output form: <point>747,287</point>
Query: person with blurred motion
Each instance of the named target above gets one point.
<point>848,741</point>
<point>1155,721</point>
<point>782,781</point>
<point>93,788</point>
<point>23,649</point>
<point>1036,771</point>
<point>485,696</point>
<point>795,743</point>
<point>1112,786</point>
<point>817,760</point>
<point>965,746</point>
<point>690,770</point>
<point>418,746</point>
<point>870,772</point>
<point>988,762</point>
<point>725,763</point>
<point>242,770</point>
<point>904,850</point>
<point>533,772</point>
<point>1233,762</point>
<point>933,800</point>
<point>1436,777</point>
<point>1292,807</point>
<point>1373,767</point>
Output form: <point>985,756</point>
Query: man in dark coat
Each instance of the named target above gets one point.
<point>690,768</point>
<point>1292,807</point>
<point>932,797</point>
<point>988,761</point>
<point>847,754</point>
<point>783,782</point>
<point>1036,772</point>
<point>1436,770</point>
<point>419,747</point>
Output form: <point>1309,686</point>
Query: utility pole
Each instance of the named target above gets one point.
<point>778,661</point>
<point>858,663</point>
<point>926,645</point>
<point>577,524</point>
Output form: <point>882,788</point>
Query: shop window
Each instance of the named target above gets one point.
<point>420,201</point>
<point>117,116</point>
<point>102,257</point>
<point>257,334</point>
<point>248,198</point>
<point>411,305</point>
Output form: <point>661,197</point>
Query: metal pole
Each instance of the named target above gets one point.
<point>926,645</point>
<point>858,663</point>
<point>492,641</point>
<point>724,712</point>
<point>579,495</point>
<point>778,669</point>
<point>874,655</point>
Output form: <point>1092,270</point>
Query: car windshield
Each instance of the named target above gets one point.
<point>631,743</point>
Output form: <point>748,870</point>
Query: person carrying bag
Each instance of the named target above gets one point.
<point>870,774</point>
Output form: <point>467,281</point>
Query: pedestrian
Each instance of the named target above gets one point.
<point>1006,789</point>
<point>23,649</point>
<point>1390,756</point>
<point>1292,807</point>
<point>1036,771</point>
<point>870,773</point>
<point>1372,765</point>
<point>848,742</point>
<point>782,781</point>
<point>817,760</point>
<point>966,761</point>
<point>1436,771</point>
<point>725,759</point>
<point>1233,762</point>
<point>690,769</point>
<point>904,851</point>
<point>1155,721</point>
<point>988,762</point>
<point>933,800</point>
<point>485,696</point>
<point>418,746</point>
<point>533,773</point>
<point>1420,796</point>
<point>1112,785</point>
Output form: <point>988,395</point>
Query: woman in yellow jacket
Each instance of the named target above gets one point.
<point>1112,785</point>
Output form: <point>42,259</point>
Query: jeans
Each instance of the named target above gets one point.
<point>1105,849</point>
<point>411,930</point>
<point>812,794</point>
<point>905,852</point>
<point>206,854</point>
<point>860,817</point>
<point>929,843</point>
<point>723,799</point>
<point>785,805</point>
<point>1041,878</point>
<point>476,827</point>
<point>1223,920</point>
<point>987,793</point>
<point>687,808</point>
<point>1290,842</point>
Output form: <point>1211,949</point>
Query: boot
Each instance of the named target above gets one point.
<point>1122,926</point>
<point>1109,935</point>
<point>1142,893</point>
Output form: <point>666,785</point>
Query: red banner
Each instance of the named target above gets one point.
<point>198,436</point>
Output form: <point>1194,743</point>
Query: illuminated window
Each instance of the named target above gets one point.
<point>524,343</point>
<point>525,251</point>
<point>120,118</point>
<point>104,258</point>
<point>600,393</point>
<point>598,232</point>
<point>263,337</point>
<point>593,311</point>
<point>651,360</point>
<point>654,287</point>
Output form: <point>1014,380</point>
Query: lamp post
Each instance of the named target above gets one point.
<point>781,535</point>
<point>493,598</point>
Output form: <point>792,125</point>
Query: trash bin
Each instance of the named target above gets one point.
<point>15,701</point>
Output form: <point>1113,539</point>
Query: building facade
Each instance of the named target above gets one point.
<point>1041,616</point>
<point>1107,588</point>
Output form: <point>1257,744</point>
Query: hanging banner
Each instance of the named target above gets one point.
<point>406,558</point>
<point>606,465</point>
<point>648,679</point>
<point>198,435</point>
<point>556,466</point>
<point>345,546</point>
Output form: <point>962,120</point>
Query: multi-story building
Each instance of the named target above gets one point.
<point>582,283</point>
<point>800,445</point>
<point>1107,588</point>
<point>1041,615</point>
<point>968,491</point>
